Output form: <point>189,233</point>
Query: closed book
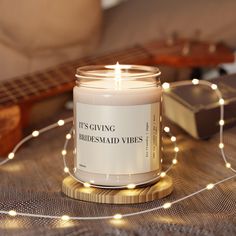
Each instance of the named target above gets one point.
<point>196,108</point>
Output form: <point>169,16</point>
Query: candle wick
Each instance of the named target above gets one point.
<point>117,76</point>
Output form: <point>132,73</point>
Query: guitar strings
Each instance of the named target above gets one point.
<point>123,55</point>
<point>13,95</point>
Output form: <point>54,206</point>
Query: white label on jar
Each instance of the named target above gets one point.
<point>117,139</point>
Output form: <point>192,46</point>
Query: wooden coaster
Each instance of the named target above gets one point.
<point>76,190</point>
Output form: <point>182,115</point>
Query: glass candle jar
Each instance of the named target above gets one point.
<point>117,120</point>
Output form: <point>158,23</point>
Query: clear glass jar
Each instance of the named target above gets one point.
<point>117,119</point>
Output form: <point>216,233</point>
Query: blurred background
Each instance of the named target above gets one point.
<point>35,35</point>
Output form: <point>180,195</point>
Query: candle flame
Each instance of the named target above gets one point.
<point>117,71</point>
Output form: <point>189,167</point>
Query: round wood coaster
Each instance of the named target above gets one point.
<point>76,190</point>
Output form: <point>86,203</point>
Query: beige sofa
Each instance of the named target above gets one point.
<point>39,34</point>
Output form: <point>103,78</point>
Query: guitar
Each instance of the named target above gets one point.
<point>18,95</point>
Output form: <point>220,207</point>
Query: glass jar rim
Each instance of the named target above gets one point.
<point>130,72</point>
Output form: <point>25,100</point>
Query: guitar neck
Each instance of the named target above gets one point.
<point>60,79</point>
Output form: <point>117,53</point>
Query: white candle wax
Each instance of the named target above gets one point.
<point>117,131</point>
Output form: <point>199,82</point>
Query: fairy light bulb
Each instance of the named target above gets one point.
<point>228,165</point>
<point>117,216</point>
<point>173,138</point>
<point>165,86</point>
<point>163,174</point>
<point>221,145</point>
<point>65,217</point>
<point>210,186</point>
<point>221,122</point>
<point>61,122</point>
<point>167,129</point>
<point>12,213</point>
<point>87,185</point>
<point>131,186</point>
<point>11,155</point>
<point>214,86</point>
<point>174,161</point>
<point>176,149</point>
<point>66,169</point>
<point>35,133</point>
<point>68,136</point>
<point>195,81</point>
<point>221,101</point>
<point>167,205</point>
<point>63,152</point>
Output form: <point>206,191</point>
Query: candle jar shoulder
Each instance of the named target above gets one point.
<point>123,97</point>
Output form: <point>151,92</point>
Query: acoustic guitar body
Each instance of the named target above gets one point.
<point>10,128</point>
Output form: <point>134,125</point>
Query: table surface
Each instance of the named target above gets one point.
<point>32,183</point>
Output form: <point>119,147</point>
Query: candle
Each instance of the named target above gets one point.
<point>117,113</point>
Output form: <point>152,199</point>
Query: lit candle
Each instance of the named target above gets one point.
<point>117,115</point>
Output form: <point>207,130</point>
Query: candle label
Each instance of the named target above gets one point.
<point>117,139</point>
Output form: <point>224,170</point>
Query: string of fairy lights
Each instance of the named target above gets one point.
<point>118,216</point>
